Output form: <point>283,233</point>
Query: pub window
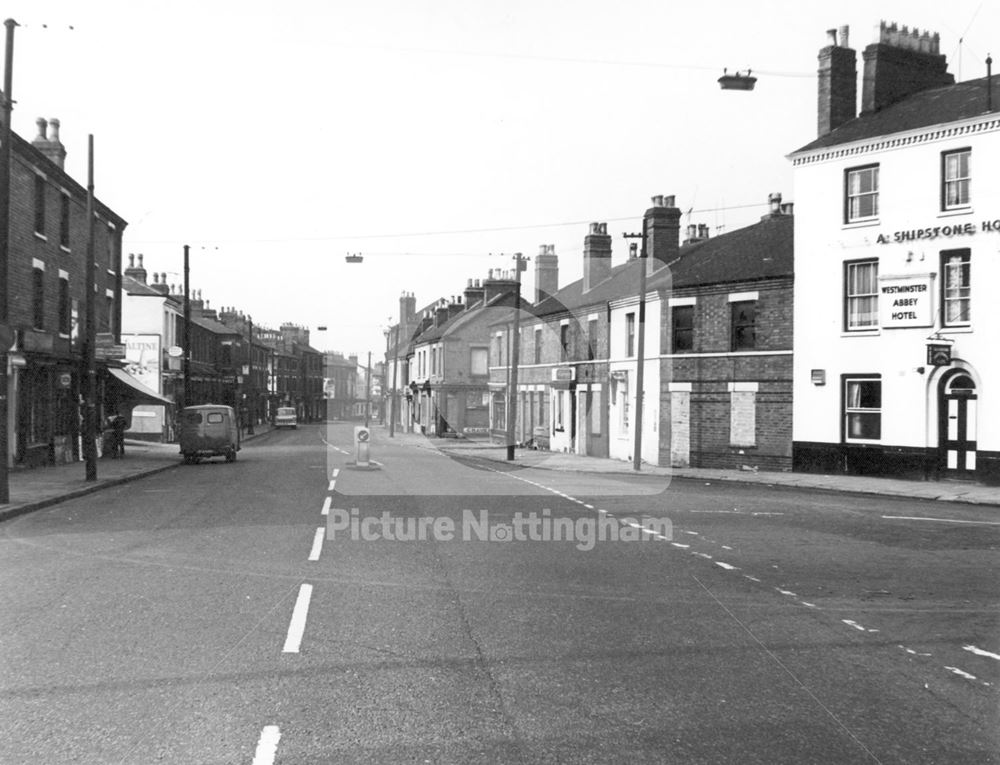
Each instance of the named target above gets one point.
<point>682,325</point>
<point>861,295</point>
<point>862,194</point>
<point>38,291</point>
<point>863,409</point>
<point>538,345</point>
<point>955,179</point>
<point>592,339</point>
<point>744,325</point>
<point>956,286</point>
<point>630,334</point>
<point>563,342</point>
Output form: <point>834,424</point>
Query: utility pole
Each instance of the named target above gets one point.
<point>90,385</point>
<point>520,264</point>
<point>251,388</point>
<point>6,336</point>
<point>641,348</point>
<point>186,398</point>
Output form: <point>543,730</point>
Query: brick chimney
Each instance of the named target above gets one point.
<point>136,272</point>
<point>596,256</point>
<point>407,308</point>
<point>209,313</point>
<point>696,232</point>
<point>473,293</point>
<point>160,283</point>
<point>498,282</point>
<point>663,230</point>
<point>546,272</point>
<point>47,141</point>
<point>902,62</point>
<point>441,312</point>
<point>838,82</point>
<point>775,208</point>
<point>456,306</point>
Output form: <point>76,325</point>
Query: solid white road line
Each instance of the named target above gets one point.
<point>980,652</point>
<point>938,520</point>
<point>317,544</point>
<point>298,624</point>
<point>326,506</point>
<point>267,745</point>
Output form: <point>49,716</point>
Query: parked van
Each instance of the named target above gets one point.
<point>286,417</point>
<point>208,430</point>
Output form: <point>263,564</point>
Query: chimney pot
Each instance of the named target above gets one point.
<point>42,129</point>
<point>831,37</point>
<point>131,260</point>
<point>54,133</point>
<point>774,201</point>
<point>845,33</point>
<point>668,201</point>
<point>658,200</point>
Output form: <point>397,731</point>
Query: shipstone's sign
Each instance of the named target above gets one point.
<point>905,301</point>
<point>937,232</point>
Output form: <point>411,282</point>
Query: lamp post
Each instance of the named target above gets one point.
<point>392,390</point>
<point>641,348</point>
<point>251,388</point>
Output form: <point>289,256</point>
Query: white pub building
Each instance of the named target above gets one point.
<point>897,267</point>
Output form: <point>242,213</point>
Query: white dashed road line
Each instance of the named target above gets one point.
<point>317,547</point>
<point>336,472</point>
<point>855,625</point>
<point>298,624</point>
<point>725,565</point>
<point>980,652</point>
<point>326,506</point>
<point>961,673</point>
<point>333,485</point>
<point>938,520</point>
<point>267,745</point>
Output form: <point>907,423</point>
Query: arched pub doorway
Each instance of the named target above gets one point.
<point>957,404</point>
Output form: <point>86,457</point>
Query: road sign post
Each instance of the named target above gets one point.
<point>362,439</point>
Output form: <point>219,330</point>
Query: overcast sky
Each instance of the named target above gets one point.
<point>434,138</point>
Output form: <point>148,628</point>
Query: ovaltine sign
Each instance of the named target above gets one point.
<point>905,301</point>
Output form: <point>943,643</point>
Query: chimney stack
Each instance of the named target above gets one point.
<point>136,272</point>
<point>838,83</point>
<point>407,308</point>
<point>48,143</point>
<point>473,293</point>
<point>663,229</point>
<point>596,256</point>
<point>500,282</point>
<point>900,63</point>
<point>546,272</point>
<point>160,283</point>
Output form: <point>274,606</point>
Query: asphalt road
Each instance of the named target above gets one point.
<point>255,612</point>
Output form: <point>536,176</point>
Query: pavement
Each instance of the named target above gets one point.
<point>35,488</point>
<point>946,491</point>
<point>32,489</point>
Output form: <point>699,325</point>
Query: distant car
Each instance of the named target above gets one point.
<point>286,417</point>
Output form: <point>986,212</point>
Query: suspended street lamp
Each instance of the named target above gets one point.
<point>737,81</point>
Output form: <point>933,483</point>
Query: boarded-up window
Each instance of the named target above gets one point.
<point>743,418</point>
<point>478,361</point>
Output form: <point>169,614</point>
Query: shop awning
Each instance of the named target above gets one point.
<point>134,392</point>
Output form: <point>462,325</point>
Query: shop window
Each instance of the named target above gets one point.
<point>538,345</point>
<point>955,179</point>
<point>863,408</point>
<point>956,286</point>
<point>862,194</point>
<point>861,295</point>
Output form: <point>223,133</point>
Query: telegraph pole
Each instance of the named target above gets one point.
<point>186,398</point>
<point>392,391</point>
<point>90,383</point>
<point>520,264</point>
<point>251,388</point>
<point>641,348</point>
<point>368,390</point>
<point>6,336</point>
